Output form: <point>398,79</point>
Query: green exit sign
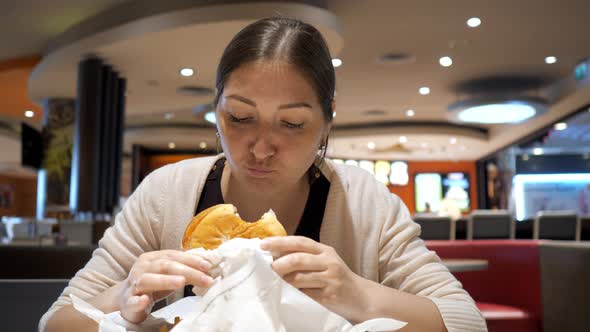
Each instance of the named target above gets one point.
<point>581,71</point>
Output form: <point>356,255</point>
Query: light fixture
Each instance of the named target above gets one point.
<point>494,110</point>
<point>550,60</point>
<point>171,145</point>
<point>560,126</point>
<point>403,139</point>
<point>203,145</point>
<point>473,22</point>
<point>410,113</point>
<point>371,145</point>
<point>336,62</point>
<point>210,117</point>
<point>453,140</point>
<point>524,184</point>
<point>424,90</point>
<point>445,61</point>
<point>168,115</point>
<point>538,151</point>
<point>187,72</point>
<point>333,115</point>
<point>29,113</point>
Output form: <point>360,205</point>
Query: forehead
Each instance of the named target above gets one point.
<point>271,80</point>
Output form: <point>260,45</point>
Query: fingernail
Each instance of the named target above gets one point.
<point>206,280</point>
<point>205,265</point>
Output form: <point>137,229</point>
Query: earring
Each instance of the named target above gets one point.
<point>217,143</point>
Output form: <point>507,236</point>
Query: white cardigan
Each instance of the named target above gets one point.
<point>370,228</point>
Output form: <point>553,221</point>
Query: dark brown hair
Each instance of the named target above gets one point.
<point>283,39</point>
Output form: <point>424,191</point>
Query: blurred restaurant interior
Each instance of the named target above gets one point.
<point>475,113</point>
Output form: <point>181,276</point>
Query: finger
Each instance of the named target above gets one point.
<point>149,283</point>
<point>194,261</point>
<point>137,308</point>
<point>282,245</point>
<point>298,261</point>
<point>170,267</point>
<point>306,280</point>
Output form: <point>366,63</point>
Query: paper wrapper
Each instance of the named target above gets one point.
<point>246,296</point>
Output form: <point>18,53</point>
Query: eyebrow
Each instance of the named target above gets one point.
<point>281,107</point>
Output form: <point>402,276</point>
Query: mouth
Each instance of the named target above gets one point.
<point>259,172</point>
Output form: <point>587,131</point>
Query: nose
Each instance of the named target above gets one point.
<point>263,148</point>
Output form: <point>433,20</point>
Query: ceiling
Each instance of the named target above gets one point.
<point>149,41</point>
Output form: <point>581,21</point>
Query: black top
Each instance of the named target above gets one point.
<point>313,214</point>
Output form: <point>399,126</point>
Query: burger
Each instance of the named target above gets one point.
<point>220,223</point>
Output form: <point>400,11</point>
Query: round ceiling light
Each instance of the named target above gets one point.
<point>187,72</point>
<point>496,110</point>
<point>474,22</point>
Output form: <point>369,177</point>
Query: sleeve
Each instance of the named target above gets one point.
<point>136,230</point>
<point>407,265</point>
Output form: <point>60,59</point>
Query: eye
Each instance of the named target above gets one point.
<point>293,125</point>
<point>235,119</point>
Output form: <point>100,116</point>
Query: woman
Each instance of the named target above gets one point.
<point>356,249</point>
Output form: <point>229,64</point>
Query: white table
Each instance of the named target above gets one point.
<point>467,264</point>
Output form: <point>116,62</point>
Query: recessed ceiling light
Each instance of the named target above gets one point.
<point>187,72</point>
<point>550,60</point>
<point>371,145</point>
<point>171,145</point>
<point>29,113</point>
<point>410,113</point>
<point>424,90</point>
<point>203,145</point>
<point>538,151</point>
<point>495,110</point>
<point>403,139</point>
<point>560,126</point>
<point>445,61</point>
<point>210,117</point>
<point>473,22</point>
<point>168,115</point>
<point>453,140</point>
<point>336,62</point>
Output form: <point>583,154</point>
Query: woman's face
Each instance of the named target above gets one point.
<point>270,124</point>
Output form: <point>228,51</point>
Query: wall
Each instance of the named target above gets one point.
<point>406,193</point>
<point>24,198</point>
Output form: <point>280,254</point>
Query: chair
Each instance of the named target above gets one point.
<point>24,301</point>
<point>435,227</point>
<point>490,224</point>
<point>508,292</point>
<point>557,225</point>
<point>564,281</point>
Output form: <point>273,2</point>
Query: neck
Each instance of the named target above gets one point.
<point>251,205</point>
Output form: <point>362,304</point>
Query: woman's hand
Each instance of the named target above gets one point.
<point>154,276</point>
<point>318,271</point>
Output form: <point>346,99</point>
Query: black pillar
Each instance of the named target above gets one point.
<point>97,139</point>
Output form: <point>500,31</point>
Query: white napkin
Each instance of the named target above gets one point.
<point>246,296</point>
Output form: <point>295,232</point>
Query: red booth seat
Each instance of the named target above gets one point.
<point>508,292</point>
